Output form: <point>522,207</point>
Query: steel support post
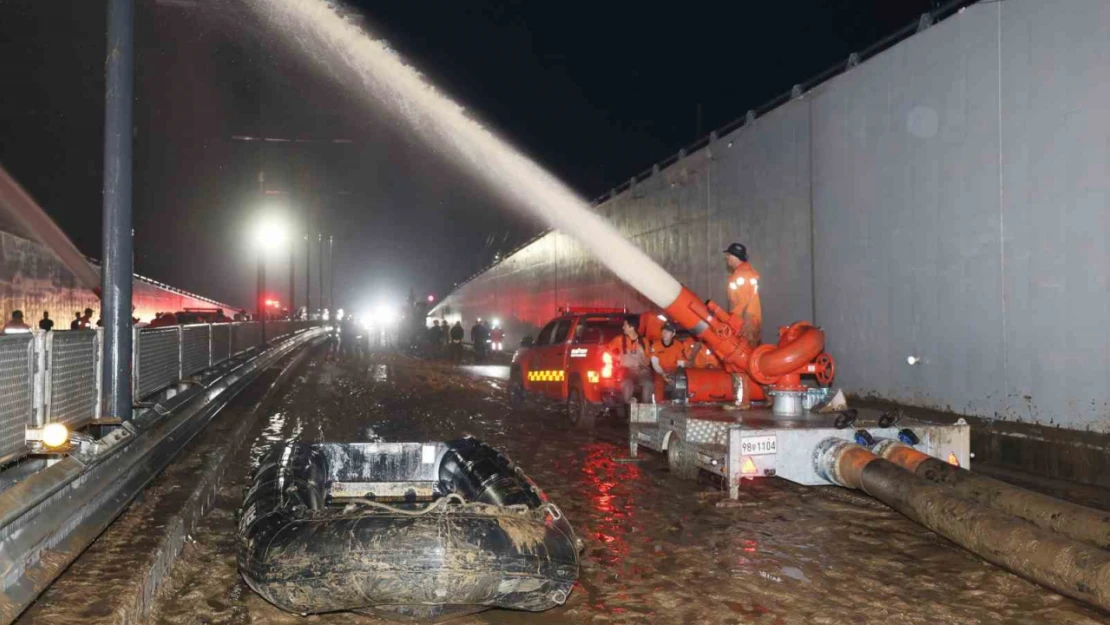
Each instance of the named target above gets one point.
<point>307,276</point>
<point>292,291</point>
<point>261,296</point>
<point>320,242</point>
<point>117,270</point>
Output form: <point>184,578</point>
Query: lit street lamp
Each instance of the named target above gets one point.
<point>268,235</point>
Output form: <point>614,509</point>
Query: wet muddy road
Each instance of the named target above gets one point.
<point>658,550</point>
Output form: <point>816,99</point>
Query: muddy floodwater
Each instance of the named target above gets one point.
<point>658,550</point>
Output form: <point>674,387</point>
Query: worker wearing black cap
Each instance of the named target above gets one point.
<point>743,293</point>
<point>668,355</point>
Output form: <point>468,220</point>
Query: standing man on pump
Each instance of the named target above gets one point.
<point>743,294</point>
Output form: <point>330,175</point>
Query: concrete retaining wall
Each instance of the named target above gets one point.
<point>946,199</point>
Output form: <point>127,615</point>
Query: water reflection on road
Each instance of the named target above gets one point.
<point>497,372</point>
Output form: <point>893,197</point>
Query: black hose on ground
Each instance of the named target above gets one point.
<point>1072,520</point>
<point>1068,567</point>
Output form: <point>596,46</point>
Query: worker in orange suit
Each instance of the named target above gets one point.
<point>668,355</point>
<point>629,352</point>
<point>743,294</point>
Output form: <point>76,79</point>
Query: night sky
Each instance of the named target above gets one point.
<point>596,91</point>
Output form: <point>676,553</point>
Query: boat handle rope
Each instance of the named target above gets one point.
<point>554,511</point>
<point>438,503</point>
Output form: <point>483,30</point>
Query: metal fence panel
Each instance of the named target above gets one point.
<point>100,371</point>
<point>275,329</point>
<point>221,342</point>
<point>71,372</point>
<point>156,359</point>
<point>244,336</point>
<point>17,370</point>
<point>194,349</point>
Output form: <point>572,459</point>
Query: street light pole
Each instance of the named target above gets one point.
<point>307,276</point>
<point>260,300</point>
<point>261,288</point>
<point>269,236</point>
<point>292,293</point>
<point>331,274</point>
<point>118,267</point>
<point>321,242</point>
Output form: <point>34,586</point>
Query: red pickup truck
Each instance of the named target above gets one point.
<point>568,362</point>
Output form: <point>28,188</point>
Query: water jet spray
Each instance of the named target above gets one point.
<point>386,81</point>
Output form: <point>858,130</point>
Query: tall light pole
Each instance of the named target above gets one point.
<point>307,276</point>
<point>331,274</point>
<point>116,239</point>
<point>320,239</point>
<point>269,234</point>
<point>294,142</point>
<point>292,293</point>
<point>260,299</point>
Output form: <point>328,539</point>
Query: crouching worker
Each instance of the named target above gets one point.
<point>668,355</point>
<point>630,355</point>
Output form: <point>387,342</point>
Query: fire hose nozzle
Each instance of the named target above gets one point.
<point>800,350</point>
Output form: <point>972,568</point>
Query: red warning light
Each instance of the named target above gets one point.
<point>606,365</point>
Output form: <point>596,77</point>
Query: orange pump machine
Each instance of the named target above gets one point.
<point>800,351</point>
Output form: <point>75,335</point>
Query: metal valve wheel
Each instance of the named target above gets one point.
<point>825,369</point>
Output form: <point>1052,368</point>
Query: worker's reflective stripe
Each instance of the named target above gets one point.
<point>555,375</point>
<point>732,285</point>
<point>740,282</point>
<point>755,281</point>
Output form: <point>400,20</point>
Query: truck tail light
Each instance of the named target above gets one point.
<point>606,365</point>
<point>593,377</point>
<point>953,460</point>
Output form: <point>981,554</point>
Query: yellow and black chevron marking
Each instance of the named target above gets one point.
<point>556,375</point>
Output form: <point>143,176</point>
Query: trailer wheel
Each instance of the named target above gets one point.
<point>516,389</point>
<point>680,459</point>
<point>580,413</point>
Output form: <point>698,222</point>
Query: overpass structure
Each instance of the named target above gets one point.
<point>33,280</point>
<point>939,207</point>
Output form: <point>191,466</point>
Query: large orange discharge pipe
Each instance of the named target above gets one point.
<point>800,350</point>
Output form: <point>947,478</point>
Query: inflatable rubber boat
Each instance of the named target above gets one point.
<point>410,530</point>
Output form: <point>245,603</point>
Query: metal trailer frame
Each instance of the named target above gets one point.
<point>744,444</point>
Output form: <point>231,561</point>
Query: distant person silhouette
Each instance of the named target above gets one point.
<point>15,325</point>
